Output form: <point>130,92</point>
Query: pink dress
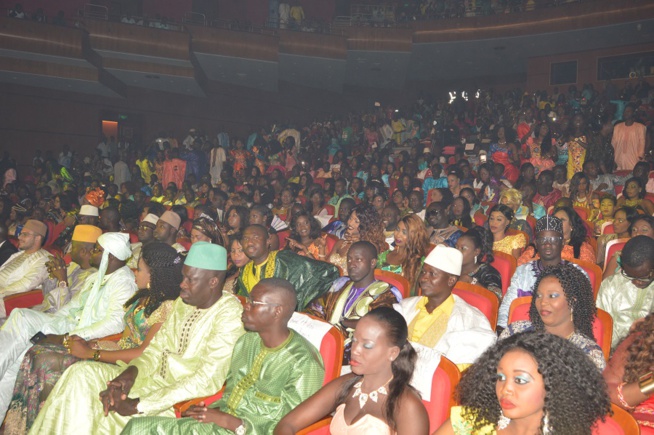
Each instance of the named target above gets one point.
<point>629,144</point>
<point>366,425</point>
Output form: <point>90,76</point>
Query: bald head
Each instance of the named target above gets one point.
<point>365,248</point>
<point>280,291</point>
<point>110,220</point>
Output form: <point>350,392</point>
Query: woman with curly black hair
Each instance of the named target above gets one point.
<point>476,245</point>
<point>632,360</point>
<point>158,277</point>
<point>563,304</point>
<point>365,223</point>
<point>377,392</point>
<point>305,238</point>
<point>532,383</point>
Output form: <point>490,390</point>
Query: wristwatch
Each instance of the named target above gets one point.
<point>240,430</point>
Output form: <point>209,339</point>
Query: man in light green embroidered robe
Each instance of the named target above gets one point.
<point>262,387</point>
<point>352,296</point>
<point>188,357</point>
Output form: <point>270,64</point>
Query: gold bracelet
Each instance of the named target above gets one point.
<point>646,384</point>
<point>96,355</point>
<point>65,340</point>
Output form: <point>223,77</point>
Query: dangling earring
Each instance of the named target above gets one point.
<point>572,319</point>
<point>475,260</point>
<point>503,422</point>
<point>148,286</point>
<point>546,425</point>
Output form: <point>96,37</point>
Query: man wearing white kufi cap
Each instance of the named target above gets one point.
<point>440,320</point>
<point>95,312</point>
<point>146,235</point>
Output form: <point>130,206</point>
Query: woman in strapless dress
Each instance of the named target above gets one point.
<point>376,398</point>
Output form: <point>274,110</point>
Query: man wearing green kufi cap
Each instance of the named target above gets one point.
<point>189,357</point>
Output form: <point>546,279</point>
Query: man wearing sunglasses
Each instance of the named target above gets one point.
<point>629,295</point>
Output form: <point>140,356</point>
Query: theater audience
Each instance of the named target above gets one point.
<point>258,372</point>
<point>189,357</point>
<point>95,312</point>
<point>272,186</point>
<point>158,277</point>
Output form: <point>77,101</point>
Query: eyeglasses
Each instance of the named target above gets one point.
<point>641,279</point>
<point>252,302</point>
<point>551,240</point>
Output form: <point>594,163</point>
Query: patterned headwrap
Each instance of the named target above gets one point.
<point>95,197</point>
<point>549,223</point>
<point>209,228</point>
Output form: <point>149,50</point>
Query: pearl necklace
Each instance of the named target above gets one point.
<point>373,395</point>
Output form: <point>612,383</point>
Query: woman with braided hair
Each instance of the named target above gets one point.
<point>628,374</point>
<point>476,245</point>
<point>533,382</point>
<point>158,277</point>
<point>563,304</point>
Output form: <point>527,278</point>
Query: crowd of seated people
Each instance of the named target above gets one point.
<point>291,15</point>
<point>139,276</point>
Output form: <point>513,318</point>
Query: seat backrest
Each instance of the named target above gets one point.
<point>400,282</point>
<point>506,265</point>
<point>612,247</point>
<point>532,223</point>
<point>583,212</point>
<point>479,297</point>
<point>480,218</point>
<point>620,423</point>
<point>602,325</point>
<point>327,339</point>
<point>519,309</point>
<point>23,300</point>
<point>603,331</point>
<point>446,378</point>
<point>607,228</point>
<point>594,274</point>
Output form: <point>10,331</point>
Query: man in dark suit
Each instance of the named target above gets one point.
<point>7,249</point>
